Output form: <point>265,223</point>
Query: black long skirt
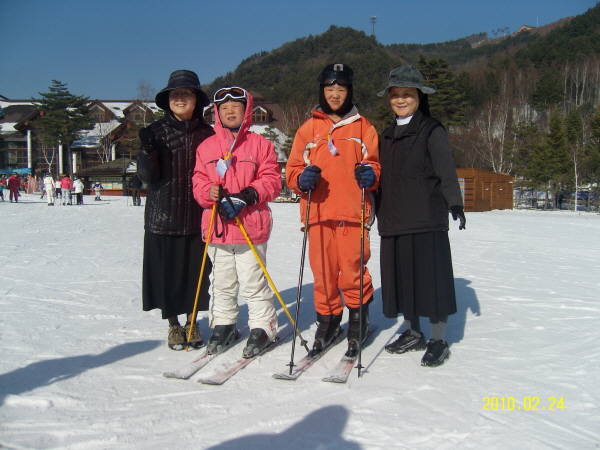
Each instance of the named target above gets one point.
<point>416,275</point>
<point>170,274</point>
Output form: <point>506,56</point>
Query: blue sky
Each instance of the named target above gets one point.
<point>103,48</point>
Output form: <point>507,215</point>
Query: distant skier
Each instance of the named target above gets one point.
<point>136,184</point>
<point>78,188</point>
<point>97,190</point>
<point>14,183</point>
<point>49,187</point>
<point>66,187</point>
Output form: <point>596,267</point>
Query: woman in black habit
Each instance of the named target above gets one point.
<point>418,189</point>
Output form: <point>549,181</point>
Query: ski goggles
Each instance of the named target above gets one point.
<point>230,93</point>
<point>332,77</point>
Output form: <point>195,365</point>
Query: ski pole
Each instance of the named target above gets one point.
<point>362,263</point>
<point>305,239</point>
<point>193,318</point>
<point>264,269</point>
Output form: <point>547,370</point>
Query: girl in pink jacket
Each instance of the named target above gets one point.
<point>237,170</point>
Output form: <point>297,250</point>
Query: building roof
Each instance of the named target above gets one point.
<point>91,138</point>
<point>118,167</point>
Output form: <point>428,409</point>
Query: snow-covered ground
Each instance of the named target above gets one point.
<point>81,364</point>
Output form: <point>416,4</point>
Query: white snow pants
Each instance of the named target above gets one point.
<point>66,194</point>
<point>235,268</point>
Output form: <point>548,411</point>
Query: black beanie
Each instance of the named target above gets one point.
<point>348,103</point>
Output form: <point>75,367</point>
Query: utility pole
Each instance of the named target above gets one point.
<point>373,20</point>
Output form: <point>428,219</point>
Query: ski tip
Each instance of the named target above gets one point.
<point>209,382</point>
<point>174,376</point>
<point>333,380</point>
<point>283,376</point>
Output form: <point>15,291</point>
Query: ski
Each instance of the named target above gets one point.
<point>341,371</point>
<point>308,360</point>
<point>185,372</point>
<point>227,371</point>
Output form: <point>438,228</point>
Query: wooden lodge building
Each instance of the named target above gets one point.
<point>483,190</point>
<point>106,153</point>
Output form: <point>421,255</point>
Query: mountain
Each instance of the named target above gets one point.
<point>288,74</point>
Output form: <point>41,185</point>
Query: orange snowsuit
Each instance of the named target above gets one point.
<point>335,210</point>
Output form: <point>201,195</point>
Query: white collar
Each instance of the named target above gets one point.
<point>403,120</point>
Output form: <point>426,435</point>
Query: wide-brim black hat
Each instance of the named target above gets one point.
<point>406,76</point>
<point>181,79</point>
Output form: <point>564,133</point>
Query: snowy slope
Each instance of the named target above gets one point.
<point>81,364</point>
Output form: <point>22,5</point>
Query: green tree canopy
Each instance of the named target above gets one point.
<point>64,117</point>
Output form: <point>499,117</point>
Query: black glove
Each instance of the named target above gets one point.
<point>148,139</point>
<point>309,178</point>
<point>458,212</point>
<point>231,205</point>
<point>365,175</point>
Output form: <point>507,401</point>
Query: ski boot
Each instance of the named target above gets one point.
<point>222,336</point>
<point>327,331</point>
<point>357,329</point>
<point>176,339</point>
<point>257,341</point>
<point>195,340</point>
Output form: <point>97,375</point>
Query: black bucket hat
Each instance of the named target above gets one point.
<point>406,76</point>
<point>181,79</point>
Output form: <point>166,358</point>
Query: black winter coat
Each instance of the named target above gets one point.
<point>418,181</point>
<point>167,170</point>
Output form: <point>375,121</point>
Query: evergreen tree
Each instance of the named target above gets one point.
<point>272,136</point>
<point>286,148</point>
<point>552,161</point>
<point>591,162</point>
<point>64,117</point>
<point>527,137</point>
<point>448,104</point>
<point>548,91</point>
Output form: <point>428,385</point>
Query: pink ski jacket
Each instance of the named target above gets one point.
<point>253,163</point>
<point>66,183</point>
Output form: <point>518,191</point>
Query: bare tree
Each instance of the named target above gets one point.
<point>294,115</point>
<point>103,131</point>
<point>146,94</point>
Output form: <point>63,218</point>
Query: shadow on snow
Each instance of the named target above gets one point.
<point>47,372</point>
<point>320,429</point>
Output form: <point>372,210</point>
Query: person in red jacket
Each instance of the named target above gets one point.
<point>335,155</point>
<point>66,187</point>
<point>14,183</point>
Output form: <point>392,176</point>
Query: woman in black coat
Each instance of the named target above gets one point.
<point>173,246</point>
<point>418,188</point>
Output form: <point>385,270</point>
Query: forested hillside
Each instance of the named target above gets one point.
<point>525,104</point>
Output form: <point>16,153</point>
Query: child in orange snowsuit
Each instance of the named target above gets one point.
<point>335,155</point>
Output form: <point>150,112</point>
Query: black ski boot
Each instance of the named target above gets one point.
<point>327,331</point>
<point>257,341</point>
<point>221,338</point>
<point>354,328</point>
